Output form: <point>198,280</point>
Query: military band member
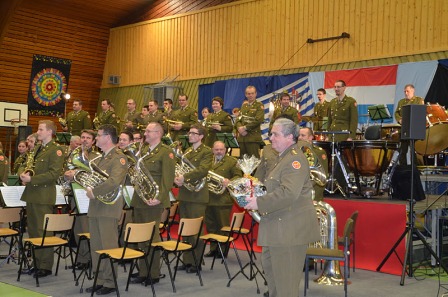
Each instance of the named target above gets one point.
<point>31,141</point>
<point>103,218</point>
<point>137,135</point>
<point>159,160</point>
<point>40,190</point>
<point>287,208</point>
<point>106,116</point>
<point>285,108</point>
<point>142,119</point>
<point>22,150</point>
<point>125,139</point>
<point>167,107</point>
<point>130,117</point>
<point>218,210</point>
<point>78,119</point>
<point>75,141</point>
<point>193,204</point>
<point>409,98</point>
<point>4,166</point>
<point>248,124</point>
<point>306,134</point>
<point>155,115</point>
<point>321,110</point>
<point>343,113</point>
<point>185,115</point>
<point>217,122</point>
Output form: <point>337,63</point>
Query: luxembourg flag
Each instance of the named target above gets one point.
<point>369,86</point>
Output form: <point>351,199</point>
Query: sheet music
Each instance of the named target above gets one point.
<point>81,199</point>
<point>128,194</point>
<point>60,198</point>
<point>11,196</point>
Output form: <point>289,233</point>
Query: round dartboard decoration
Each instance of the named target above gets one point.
<point>47,86</point>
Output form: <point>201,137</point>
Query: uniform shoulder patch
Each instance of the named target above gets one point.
<point>59,153</point>
<point>122,161</point>
<point>296,165</point>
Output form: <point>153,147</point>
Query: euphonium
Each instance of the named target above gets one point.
<point>331,274</point>
<point>92,176</point>
<point>184,166</point>
<point>144,185</point>
<point>317,172</point>
<point>215,183</point>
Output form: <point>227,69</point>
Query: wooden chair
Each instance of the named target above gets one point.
<point>188,228</point>
<point>134,234</point>
<point>331,255</point>
<point>61,223</point>
<point>10,216</point>
<point>167,220</point>
<point>221,240</point>
<point>354,217</point>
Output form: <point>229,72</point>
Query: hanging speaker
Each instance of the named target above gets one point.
<point>413,122</point>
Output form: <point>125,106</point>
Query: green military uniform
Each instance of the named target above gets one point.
<point>193,204</point>
<point>251,116</point>
<point>288,207</point>
<point>156,117</point>
<point>160,159</point>
<point>107,117</point>
<point>142,121</point>
<point>40,195</point>
<point>4,168</point>
<point>103,218</point>
<point>218,210</point>
<point>343,115</point>
<point>77,121</point>
<point>269,157</point>
<point>289,111</point>
<point>188,116</point>
<point>21,159</point>
<point>404,144</point>
<point>321,112</point>
<point>221,117</point>
<point>130,116</point>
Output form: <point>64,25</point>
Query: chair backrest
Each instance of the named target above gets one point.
<point>141,232</point>
<point>237,221</point>
<point>58,222</point>
<point>348,228</point>
<point>173,212</point>
<point>9,215</point>
<point>354,217</point>
<point>190,227</point>
<point>372,133</point>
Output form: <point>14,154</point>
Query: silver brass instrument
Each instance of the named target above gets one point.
<point>92,176</point>
<point>317,172</point>
<point>331,274</point>
<point>215,183</point>
<point>184,166</point>
<point>140,177</point>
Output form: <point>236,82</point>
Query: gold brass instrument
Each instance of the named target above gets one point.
<point>96,122</point>
<point>91,176</point>
<point>140,177</point>
<point>63,122</point>
<point>173,122</point>
<point>317,172</point>
<point>215,183</point>
<point>29,163</point>
<point>184,166</point>
<point>331,274</point>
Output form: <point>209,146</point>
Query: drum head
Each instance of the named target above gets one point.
<point>436,140</point>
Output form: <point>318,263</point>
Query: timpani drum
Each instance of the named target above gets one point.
<point>436,138</point>
<point>368,159</point>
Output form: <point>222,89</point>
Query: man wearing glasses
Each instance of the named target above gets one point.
<point>193,204</point>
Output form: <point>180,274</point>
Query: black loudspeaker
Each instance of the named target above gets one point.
<point>413,122</point>
<point>401,183</point>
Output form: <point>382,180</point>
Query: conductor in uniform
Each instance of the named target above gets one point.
<point>159,158</point>
<point>218,210</point>
<point>193,204</point>
<point>185,116</point>
<point>343,113</point>
<point>40,190</point>
<point>217,122</point>
<point>288,218</point>
<point>103,218</point>
<point>248,124</point>
<point>78,119</point>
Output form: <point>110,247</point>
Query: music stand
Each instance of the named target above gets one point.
<point>229,140</point>
<point>379,112</point>
<point>63,137</point>
<point>184,141</point>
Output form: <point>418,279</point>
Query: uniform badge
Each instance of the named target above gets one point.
<point>2,158</point>
<point>59,153</point>
<point>324,156</point>
<point>171,155</point>
<point>296,165</point>
<point>122,161</point>
<point>293,152</point>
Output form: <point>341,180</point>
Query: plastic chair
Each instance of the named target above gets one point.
<point>221,240</point>
<point>52,223</point>
<point>354,217</point>
<point>187,228</point>
<point>134,233</point>
<point>331,255</point>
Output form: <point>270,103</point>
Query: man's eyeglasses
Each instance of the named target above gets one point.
<point>193,133</point>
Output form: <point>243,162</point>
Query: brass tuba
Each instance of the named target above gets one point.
<point>91,176</point>
<point>140,177</point>
<point>331,274</point>
<point>214,182</point>
<point>184,166</point>
<point>317,172</point>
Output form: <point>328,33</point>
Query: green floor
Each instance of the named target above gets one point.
<point>13,291</point>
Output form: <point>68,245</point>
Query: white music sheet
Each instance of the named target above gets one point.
<point>60,198</point>
<point>11,196</point>
<point>81,199</point>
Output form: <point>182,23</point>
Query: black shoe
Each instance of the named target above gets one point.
<point>91,289</point>
<point>266,294</point>
<point>183,267</point>
<point>42,273</point>
<point>105,291</point>
<point>138,280</point>
<point>80,266</point>
<point>148,282</point>
<point>211,254</point>
<point>192,269</point>
<point>134,275</point>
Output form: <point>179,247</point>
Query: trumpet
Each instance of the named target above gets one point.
<point>173,122</point>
